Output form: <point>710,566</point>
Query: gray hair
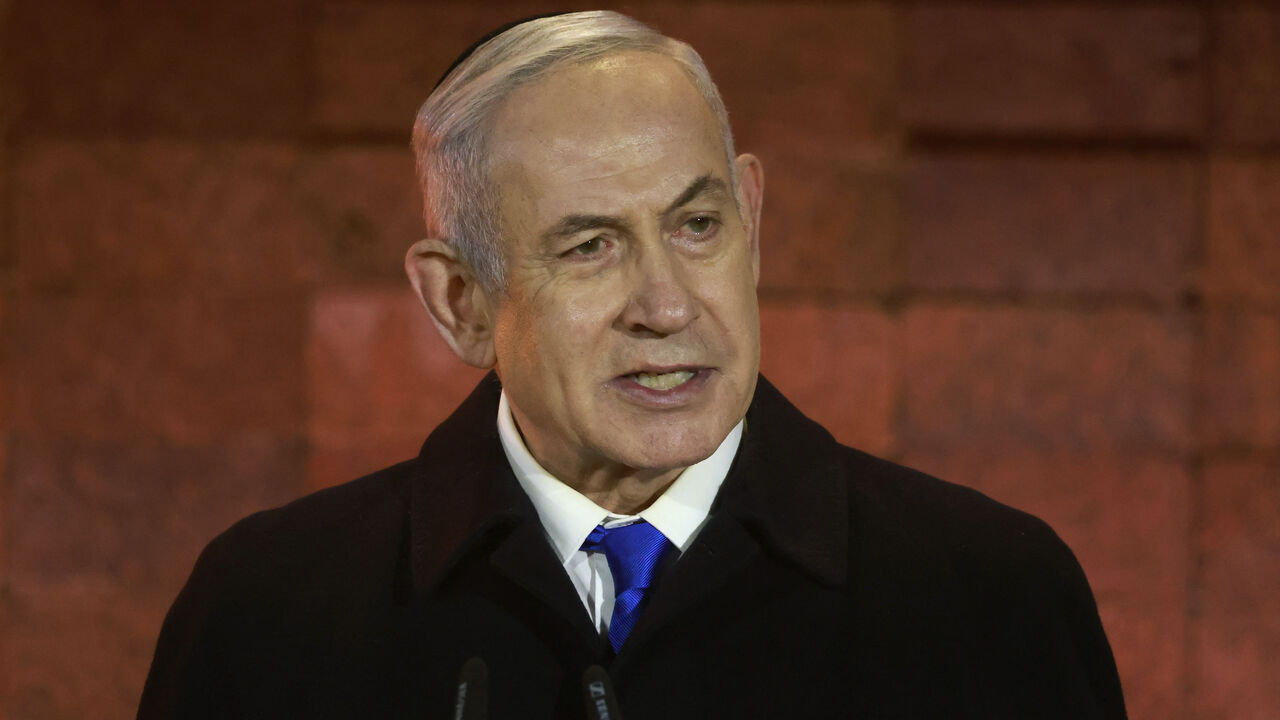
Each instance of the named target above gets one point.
<point>459,206</point>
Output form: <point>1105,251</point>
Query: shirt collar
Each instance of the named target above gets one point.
<point>569,516</point>
<point>790,485</point>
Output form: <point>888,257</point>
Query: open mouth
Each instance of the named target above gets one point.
<point>662,381</point>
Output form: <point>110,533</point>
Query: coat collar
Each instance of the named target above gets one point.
<point>786,487</point>
<point>463,490</point>
<point>789,487</point>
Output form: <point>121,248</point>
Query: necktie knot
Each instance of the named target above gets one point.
<point>633,552</point>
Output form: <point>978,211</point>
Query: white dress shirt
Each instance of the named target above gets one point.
<point>568,516</point>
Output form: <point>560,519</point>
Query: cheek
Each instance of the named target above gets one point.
<point>516,333</point>
<point>569,327</point>
<point>730,290</point>
<point>583,330</point>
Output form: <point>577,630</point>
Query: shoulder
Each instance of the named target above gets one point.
<point>895,511</point>
<point>996,577</point>
<point>960,543</point>
<point>943,514</point>
<point>354,535</point>
<point>267,592</point>
<point>323,532</point>
<point>885,486</point>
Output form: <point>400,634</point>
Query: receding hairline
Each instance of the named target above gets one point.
<point>713,128</point>
<point>450,137</point>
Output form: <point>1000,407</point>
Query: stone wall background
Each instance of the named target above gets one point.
<point>1031,247</point>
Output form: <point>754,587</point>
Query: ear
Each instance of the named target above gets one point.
<point>455,299</point>
<point>750,174</point>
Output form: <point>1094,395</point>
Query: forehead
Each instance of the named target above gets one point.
<point>631,118</point>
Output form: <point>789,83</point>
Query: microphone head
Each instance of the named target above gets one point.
<point>598,695</point>
<point>473,691</point>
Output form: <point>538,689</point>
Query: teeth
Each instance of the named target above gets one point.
<point>663,381</point>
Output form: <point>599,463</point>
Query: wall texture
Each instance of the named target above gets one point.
<point>1031,247</point>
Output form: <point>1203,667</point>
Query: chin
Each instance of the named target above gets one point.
<point>673,448</point>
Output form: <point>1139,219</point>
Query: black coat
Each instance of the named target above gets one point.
<point>826,583</point>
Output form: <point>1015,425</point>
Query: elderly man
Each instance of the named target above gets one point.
<point>623,491</point>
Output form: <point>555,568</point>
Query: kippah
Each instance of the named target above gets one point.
<point>489,36</point>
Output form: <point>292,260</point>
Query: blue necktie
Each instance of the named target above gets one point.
<point>634,552</point>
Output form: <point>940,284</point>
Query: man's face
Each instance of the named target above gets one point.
<point>628,336</point>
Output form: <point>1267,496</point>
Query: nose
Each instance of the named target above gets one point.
<point>661,302</point>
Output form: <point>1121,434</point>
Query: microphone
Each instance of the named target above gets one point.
<point>473,691</point>
<point>597,692</point>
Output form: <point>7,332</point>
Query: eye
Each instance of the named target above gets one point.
<point>590,247</point>
<point>699,226</point>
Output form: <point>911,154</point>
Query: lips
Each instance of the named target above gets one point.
<point>662,380</point>
<point>666,387</point>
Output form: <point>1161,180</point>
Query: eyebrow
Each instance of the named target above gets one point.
<point>704,185</point>
<point>576,223</point>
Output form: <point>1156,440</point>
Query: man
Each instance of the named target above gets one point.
<point>624,490</point>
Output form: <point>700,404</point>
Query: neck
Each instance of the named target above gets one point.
<point>613,486</point>
<point>626,494</point>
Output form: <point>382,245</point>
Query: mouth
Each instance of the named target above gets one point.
<point>662,380</point>
<point>664,387</point>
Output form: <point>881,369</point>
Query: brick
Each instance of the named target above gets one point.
<point>75,650</point>
<point>184,369</point>
<point>377,62</point>
<point>1246,82</point>
<point>1242,260</point>
<point>337,458</point>
<point>138,67</point>
<point>6,419</point>
<point>838,365</point>
<point>1046,379</point>
<point>117,217</point>
<point>6,200</point>
<point>836,87</point>
<point>366,209</point>
<point>1082,70</point>
<point>1240,387</point>
<point>136,514</point>
<point>6,365</point>
<point>4,508</point>
<point>380,377</point>
<point>829,226</point>
<point>1125,516</point>
<point>1051,224</point>
<point>1237,630</point>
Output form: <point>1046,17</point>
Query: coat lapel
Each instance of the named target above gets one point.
<point>788,486</point>
<point>722,550</point>
<point>526,558</point>
<point>786,495</point>
<point>466,501</point>
<point>462,489</point>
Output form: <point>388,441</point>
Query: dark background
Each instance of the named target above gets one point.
<point>1031,247</point>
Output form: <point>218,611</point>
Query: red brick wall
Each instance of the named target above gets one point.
<point>1031,247</point>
